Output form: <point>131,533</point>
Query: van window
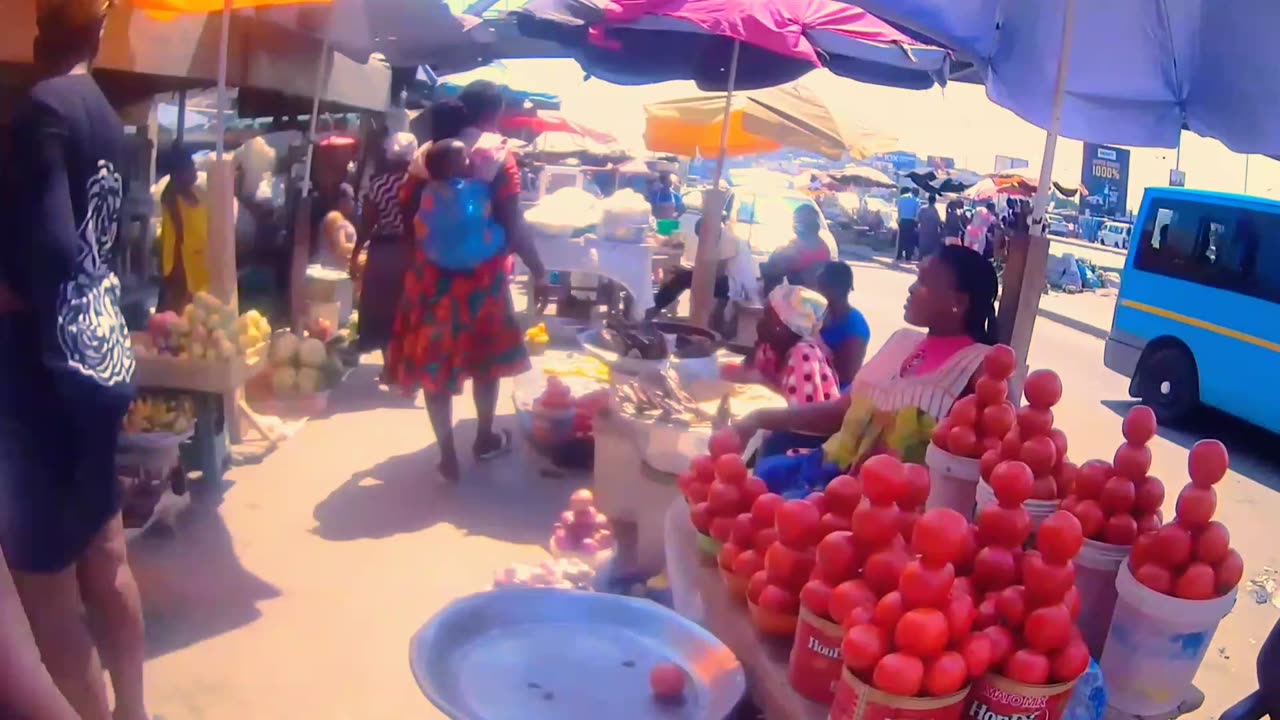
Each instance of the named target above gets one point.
<point>1220,246</point>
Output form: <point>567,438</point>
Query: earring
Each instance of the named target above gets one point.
<point>955,309</point>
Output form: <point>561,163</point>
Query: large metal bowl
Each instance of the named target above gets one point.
<point>535,654</point>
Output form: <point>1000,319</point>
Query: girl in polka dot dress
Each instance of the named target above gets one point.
<point>789,355</point>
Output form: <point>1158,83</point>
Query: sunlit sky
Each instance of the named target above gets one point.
<point>957,121</point>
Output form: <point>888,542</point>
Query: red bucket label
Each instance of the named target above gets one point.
<point>814,669</point>
<point>998,698</point>
<point>855,700</point>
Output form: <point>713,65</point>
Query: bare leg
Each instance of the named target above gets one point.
<point>57,617</point>
<point>440,410</point>
<point>114,607</point>
<point>485,394</point>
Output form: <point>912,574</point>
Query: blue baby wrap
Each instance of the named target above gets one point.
<point>455,224</point>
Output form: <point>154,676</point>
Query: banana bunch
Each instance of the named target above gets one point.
<point>157,414</point>
<point>537,335</point>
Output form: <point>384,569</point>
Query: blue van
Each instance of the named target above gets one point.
<point>1198,316</point>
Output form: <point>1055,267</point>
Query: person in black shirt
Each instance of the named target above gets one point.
<point>67,370</point>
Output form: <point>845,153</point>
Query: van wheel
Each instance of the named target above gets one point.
<point>1169,384</point>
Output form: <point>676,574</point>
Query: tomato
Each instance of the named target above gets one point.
<point>1132,461</point>
<point>883,569</point>
<point>727,555</point>
<point>991,391</point>
<point>1118,495</point>
<point>1172,546</point>
<point>1139,425</point>
<point>924,585</point>
<point>725,498</point>
<point>963,441</point>
<point>1011,480</point>
<point>1070,662</point>
<point>945,675</point>
<point>749,562</point>
<point>964,412</point>
<point>1148,523</point>
<point>976,650</point>
<point>1196,504</point>
<point>889,611</point>
<point>844,492</point>
<point>862,648</point>
<point>797,523</point>
<point>722,527</point>
<point>923,632</point>
<point>962,586</point>
<point>1000,362</point>
<point>703,468</point>
<point>960,611</point>
<point>917,489</point>
<point>1091,517</point>
<point>1068,504</point>
<point>994,568</point>
<point>667,681</point>
<point>859,616</point>
<point>765,509</point>
<point>698,491</point>
<point>1149,495</point>
<point>752,488</point>
<point>779,600</point>
<point>1043,389</point>
<point>986,614</point>
<point>1072,601</point>
<point>819,500</point>
<point>1002,641</point>
<point>1208,462</point>
<point>1004,526</point>
<point>884,479</point>
<point>1065,477</point>
<point>1060,537</point>
<point>966,552</point>
<point>1027,666</point>
<point>899,674</point>
<point>1156,577</point>
<point>1228,572</point>
<point>1093,475</point>
<point>939,534</point>
<point>1046,582</point>
<point>1011,445</point>
<point>816,596</point>
<point>848,595</point>
<point>940,435</point>
<point>756,585</point>
<point>724,442</point>
<point>1011,605</point>
<point>765,538</point>
<point>874,525</point>
<point>1040,454</point>
<point>1044,488</point>
<point>1213,543</point>
<point>731,468</point>
<point>833,522</point>
<point>744,531</point>
<point>986,464</point>
<point>1196,582</point>
<point>1048,629</point>
<point>837,557</point>
<point>700,515</point>
<point>787,567</point>
<point>1120,530</point>
<point>1059,439</point>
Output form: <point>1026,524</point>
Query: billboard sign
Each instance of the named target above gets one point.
<point>1004,162</point>
<point>1105,176</point>
<point>898,161</point>
<point>1177,178</point>
<point>941,162</point>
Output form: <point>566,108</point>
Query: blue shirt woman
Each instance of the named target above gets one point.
<point>844,330</point>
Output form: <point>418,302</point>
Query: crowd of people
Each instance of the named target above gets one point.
<point>922,230</point>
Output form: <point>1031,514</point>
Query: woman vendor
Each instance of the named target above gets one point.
<point>798,261</point>
<point>184,234</point>
<point>904,389</point>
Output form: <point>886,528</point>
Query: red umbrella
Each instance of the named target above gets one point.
<point>551,121</point>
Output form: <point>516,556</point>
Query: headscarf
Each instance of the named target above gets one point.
<point>401,146</point>
<point>799,308</point>
<point>54,15</point>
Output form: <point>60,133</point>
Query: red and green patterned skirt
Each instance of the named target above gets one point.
<point>454,325</point>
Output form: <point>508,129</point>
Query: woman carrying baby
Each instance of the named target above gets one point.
<point>456,321</point>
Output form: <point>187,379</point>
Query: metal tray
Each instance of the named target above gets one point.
<point>532,653</point>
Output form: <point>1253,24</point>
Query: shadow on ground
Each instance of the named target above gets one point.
<point>505,499</point>
<point>354,394</point>
<point>1248,444</point>
<point>193,584</point>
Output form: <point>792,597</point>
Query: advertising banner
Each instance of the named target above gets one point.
<point>1004,162</point>
<point>1105,175</point>
<point>941,162</point>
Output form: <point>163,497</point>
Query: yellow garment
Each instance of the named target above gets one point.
<point>195,240</point>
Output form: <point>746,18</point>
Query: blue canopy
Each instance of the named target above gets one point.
<point>1140,70</point>
<point>450,85</point>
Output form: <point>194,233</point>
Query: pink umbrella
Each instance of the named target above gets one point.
<point>551,121</point>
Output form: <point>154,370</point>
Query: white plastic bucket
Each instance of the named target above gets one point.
<point>1096,567</point>
<point>953,480</point>
<point>1155,645</point>
<point>1038,510</point>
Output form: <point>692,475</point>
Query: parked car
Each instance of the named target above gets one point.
<point>1058,226</point>
<point>1115,234</point>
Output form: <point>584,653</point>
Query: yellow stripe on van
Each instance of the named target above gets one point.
<point>1197,323</point>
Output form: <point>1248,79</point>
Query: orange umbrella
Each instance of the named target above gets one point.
<point>188,7</point>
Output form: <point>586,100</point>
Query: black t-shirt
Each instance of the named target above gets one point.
<point>64,189</point>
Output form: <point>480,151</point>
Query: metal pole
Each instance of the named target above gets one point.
<point>321,72</point>
<point>707,258</point>
<point>1033,278</point>
<point>1177,158</point>
<point>1246,174</point>
<point>224,43</point>
<point>181,132</point>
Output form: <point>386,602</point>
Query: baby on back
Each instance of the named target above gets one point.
<point>455,218</point>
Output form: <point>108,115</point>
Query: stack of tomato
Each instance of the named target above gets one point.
<point>585,408</point>
<point>916,639</point>
<point>752,535</point>
<point>1036,442</point>
<point>1191,557</point>
<point>730,492</point>
<point>773,594</point>
<point>979,422</point>
<point>1117,501</point>
<point>1003,528</point>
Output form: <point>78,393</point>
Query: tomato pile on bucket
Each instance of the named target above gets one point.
<point>896,611</point>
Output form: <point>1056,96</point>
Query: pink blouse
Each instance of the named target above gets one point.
<point>805,377</point>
